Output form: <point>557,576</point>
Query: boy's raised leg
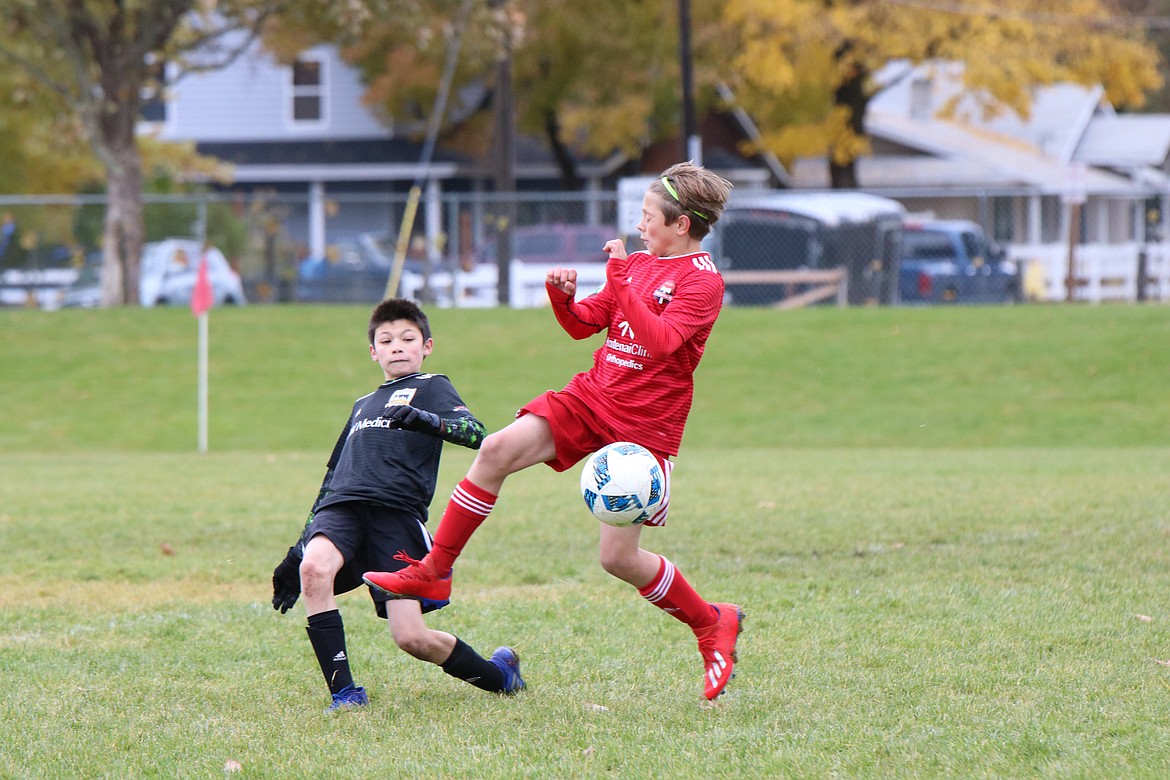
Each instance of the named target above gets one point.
<point>430,578</point>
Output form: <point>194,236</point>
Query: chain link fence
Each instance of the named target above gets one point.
<point>835,249</point>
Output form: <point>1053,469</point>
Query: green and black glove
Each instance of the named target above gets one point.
<point>409,418</point>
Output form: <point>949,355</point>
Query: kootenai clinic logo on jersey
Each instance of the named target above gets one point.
<point>665,293</point>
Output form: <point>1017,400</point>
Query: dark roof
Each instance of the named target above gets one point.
<point>365,151</point>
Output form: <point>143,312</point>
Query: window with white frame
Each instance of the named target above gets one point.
<point>308,91</point>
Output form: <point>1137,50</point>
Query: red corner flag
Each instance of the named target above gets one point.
<point>202,297</point>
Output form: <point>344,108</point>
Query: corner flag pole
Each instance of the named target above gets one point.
<point>203,383</point>
<point>202,299</point>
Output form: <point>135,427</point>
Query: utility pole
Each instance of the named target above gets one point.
<point>503,104</point>
<point>692,143</point>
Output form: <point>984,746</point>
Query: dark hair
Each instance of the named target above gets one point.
<point>399,309</point>
<point>686,188</point>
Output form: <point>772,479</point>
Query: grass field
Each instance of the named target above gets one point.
<point>948,527</point>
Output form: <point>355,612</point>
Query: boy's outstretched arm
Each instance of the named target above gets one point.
<point>464,431</point>
<point>578,320</point>
<point>658,336</point>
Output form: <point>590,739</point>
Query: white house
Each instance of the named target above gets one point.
<point>303,130</point>
<point>300,130</point>
<point>1015,175</point>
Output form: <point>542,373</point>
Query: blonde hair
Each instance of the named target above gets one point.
<point>686,188</point>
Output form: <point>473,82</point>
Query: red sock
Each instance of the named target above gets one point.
<point>469,506</point>
<point>670,592</point>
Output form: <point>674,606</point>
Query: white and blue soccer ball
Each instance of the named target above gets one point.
<point>623,484</point>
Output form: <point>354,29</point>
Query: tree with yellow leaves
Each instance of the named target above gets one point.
<point>804,68</point>
<point>589,78</point>
<point>98,61</point>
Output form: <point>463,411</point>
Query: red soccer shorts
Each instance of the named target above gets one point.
<point>578,433</point>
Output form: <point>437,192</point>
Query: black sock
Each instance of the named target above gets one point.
<point>327,635</point>
<point>471,667</point>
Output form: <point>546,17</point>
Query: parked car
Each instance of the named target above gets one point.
<point>167,276</point>
<point>556,244</point>
<point>352,271</point>
<point>86,290</point>
<point>951,261</point>
<point>169,269</point>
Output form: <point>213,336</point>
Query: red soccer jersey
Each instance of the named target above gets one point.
<point>645,398</point>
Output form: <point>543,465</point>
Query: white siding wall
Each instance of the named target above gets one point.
<point>250,101</point>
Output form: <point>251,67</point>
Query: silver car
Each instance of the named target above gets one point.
<point>169,269</point>
<point>166,276</point>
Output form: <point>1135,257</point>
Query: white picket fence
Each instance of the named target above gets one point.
<point>479,287</point>
<point>33,288</point>
<point>1100,272</point>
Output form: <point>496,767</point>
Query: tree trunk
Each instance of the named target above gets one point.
<point>843,176</point>
<point>567,165</point>
<point>122,237</point>
<point>114,135</point>
<point>851,94</point>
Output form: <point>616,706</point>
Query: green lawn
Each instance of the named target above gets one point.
<point>948,528</point>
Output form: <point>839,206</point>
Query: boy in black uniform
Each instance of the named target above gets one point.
<point>373,503</point>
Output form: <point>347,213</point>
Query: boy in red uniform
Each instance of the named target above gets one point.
<point>658,308</point>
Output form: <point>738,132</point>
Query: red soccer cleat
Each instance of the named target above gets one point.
<point>417,580</point>
<point>717,645</point>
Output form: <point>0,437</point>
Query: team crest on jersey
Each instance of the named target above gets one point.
<point>402,397</point>
<point>665,293</point>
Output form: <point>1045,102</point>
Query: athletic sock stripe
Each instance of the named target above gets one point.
<point>470,503</point>
<point>658,516</point>
<point>663,587</point>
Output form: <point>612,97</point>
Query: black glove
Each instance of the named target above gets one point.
<point>286,581</point>
<point>409,418</point>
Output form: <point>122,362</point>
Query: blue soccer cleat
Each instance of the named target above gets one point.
<point>508,662</point>
<point>348,699</point>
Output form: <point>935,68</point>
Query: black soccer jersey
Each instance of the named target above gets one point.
<point>375,463</point>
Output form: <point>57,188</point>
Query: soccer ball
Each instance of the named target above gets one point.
<point>623,484</point>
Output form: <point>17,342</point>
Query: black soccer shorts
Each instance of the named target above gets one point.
<point>368,537</point>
